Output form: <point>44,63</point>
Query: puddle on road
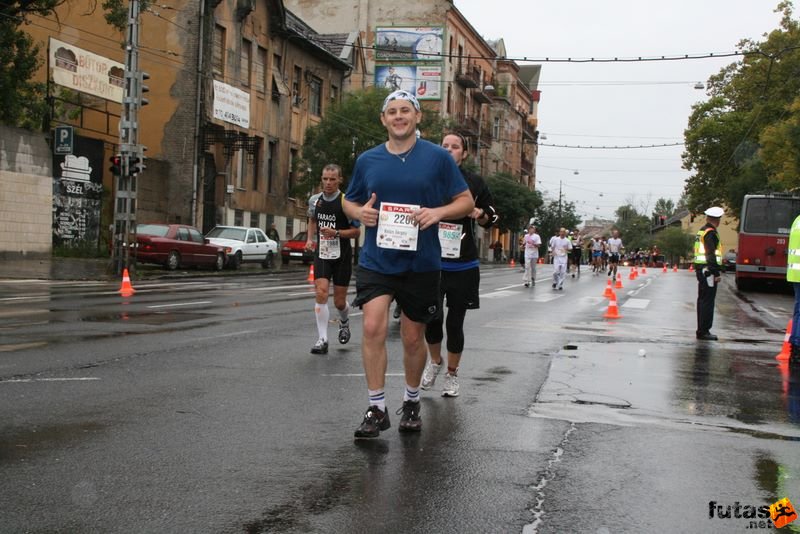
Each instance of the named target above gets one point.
<point>735,386</point>
<point>152,318</point>
<point>16,445</point>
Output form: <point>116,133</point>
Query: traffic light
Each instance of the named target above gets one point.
<point>136,165</point>
<point>116,165</point>
<point>143,88</point>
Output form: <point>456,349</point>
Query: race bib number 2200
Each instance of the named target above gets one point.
<point>396,228</point>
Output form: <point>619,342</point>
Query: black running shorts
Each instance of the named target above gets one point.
<point>460,288</point>
<point>613,258</point>
<point>416,293</point>
<point>340,270</point>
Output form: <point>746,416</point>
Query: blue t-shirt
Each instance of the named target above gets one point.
<point>429,178</point>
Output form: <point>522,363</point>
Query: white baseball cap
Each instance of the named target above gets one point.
<point>715,211</point>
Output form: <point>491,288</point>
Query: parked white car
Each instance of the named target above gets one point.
<point>243,244</point>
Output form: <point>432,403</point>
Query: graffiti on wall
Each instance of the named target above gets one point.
<point>78,193</point>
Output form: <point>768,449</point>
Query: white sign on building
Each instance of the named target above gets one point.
<point>231,104</point>
<point>86,72</point>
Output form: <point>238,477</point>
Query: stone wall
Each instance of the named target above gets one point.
<point>26,193</point>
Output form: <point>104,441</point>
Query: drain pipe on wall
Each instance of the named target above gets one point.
<point>198,99</point>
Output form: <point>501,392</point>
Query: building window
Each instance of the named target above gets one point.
<point>334,94</point>
<point>496,128</point>
<point>292,170</point>
<point>289,227</point>
<point>261,70</point>
<point>218,53</point>
<point>315,96</point>
<point>272,151</point>
<point>238,218</point>
<point>277,72</point>
<point>296,85</point>
<point>246,65</point>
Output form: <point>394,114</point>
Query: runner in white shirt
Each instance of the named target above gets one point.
<point>559,248</point>
<point>597,255</point>
<point>532,244</point>
<point>615,248</point>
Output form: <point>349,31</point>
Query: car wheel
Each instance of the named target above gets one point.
<point>236,260</point>
<point>269,261</point>
<point>284,260</point>
<point>219,262</point>
<point>173,260</point>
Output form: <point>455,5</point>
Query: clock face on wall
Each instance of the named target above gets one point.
<point>427,45</point>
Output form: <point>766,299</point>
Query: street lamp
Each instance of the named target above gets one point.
<point>699,86</point>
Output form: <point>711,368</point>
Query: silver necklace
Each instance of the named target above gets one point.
<point>405,154</point>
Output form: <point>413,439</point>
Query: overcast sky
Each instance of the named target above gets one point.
<point>618,104</point>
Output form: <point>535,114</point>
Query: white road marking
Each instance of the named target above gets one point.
<point>25,380</point>
<point>232,334</point>
<point>508,287</point>
<point>638,304</point>
<point>499,294</point>
<point>273,288</point>
<point>769,312</point>
<point>180,304</point>
<point>361,374</point>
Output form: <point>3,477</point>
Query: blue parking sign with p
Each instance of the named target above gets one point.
<point>62,140</point>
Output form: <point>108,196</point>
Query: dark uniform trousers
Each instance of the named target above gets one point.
<point>705,302</point>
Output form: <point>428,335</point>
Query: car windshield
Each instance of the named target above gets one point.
<point>237,234</point>
<point>158,230</point>
<point>299,237</point>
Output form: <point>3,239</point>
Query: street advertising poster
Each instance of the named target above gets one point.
<point>409,43</point>
<point>231,104</point>
<point>78,193</point>
<point>424,82</point>
<point>81,70</point>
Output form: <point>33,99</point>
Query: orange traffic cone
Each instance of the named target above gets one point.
<point>618,285</point>
<point>609,291</point>
<point>691,267</point>
<point>644,269</point>
<point>675,268</point>
<point>126,289</point>
<point>786,349</point>
<point>541,260</point>
<point>665,268</point>
<point>635,273</point>
<point>310,274</point>
<point>613,311</point>
<point>511,263</point>
<point>632,275</point>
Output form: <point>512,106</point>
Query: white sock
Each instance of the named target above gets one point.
<point>377,398</point>
<point>323,314</point>
<point>411,394</point>
<point>343,314</point>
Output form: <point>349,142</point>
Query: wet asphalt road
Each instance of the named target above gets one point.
<point>195,406</point>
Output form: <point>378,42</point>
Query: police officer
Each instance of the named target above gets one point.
<point>793,276</point>
<point>707,254</point>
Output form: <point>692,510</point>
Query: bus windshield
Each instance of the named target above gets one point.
<point>769,215</point>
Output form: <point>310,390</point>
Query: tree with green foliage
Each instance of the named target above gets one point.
<point>634,228</point>
<point>674,243</point>
<point>23,99</point>
<point>665,207</point>
<point>347,129</point>
<point>553,215</point>
<point>744,138</point>
<point>514,202</point>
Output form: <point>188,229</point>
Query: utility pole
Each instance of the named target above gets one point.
<point>131,154</point>
<point>559,205</point>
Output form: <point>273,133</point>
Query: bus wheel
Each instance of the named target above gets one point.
<point>743,284</point>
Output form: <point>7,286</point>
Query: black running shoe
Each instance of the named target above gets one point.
<point>374,421</point>
<point>344,332</point>
<point>410,422</point>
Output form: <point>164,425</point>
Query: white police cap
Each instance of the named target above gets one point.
<point>715,211</point>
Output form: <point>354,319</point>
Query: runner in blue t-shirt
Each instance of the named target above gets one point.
<point>399,191</point>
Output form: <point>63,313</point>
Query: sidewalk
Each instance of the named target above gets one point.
<point>46,268</point>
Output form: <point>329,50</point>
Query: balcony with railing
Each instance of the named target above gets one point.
<point>467,125</point>
<point>469,77</point>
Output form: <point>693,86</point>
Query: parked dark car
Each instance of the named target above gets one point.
<point>729,260</point>
<point>176,245</point>
<point>295,249</point>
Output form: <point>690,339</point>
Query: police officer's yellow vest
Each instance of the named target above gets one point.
<point>700,248</point>
<point>793,261</point>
